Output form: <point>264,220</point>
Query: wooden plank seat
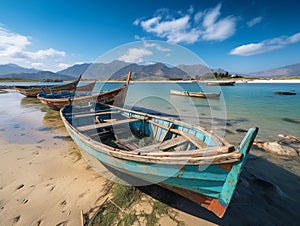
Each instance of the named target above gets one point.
<point>102,134</point>
<point>162,146</point>
<point>106,124</point>
<point>96,114</point>
<point>77,113</point>
<point>198,143</point>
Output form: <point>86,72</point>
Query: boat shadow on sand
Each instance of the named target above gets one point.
<point>266,194</point>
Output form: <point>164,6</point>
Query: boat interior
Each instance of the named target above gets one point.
<point>142,133</point>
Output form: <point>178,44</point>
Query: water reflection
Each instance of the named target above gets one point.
<point>52,119</point>
<point>29,102</point>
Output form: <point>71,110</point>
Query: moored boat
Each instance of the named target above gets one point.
<point>285,93</point>
<point>183,158</point>
<point>87,88</point>
<point>220,83</point>
<point>195,94</point>
<point>61,99</point>
<point>32,91</point>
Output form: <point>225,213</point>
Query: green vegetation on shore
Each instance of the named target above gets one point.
<point>16,80</point>
<point>126,208</point>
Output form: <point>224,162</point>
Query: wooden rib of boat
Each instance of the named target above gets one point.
<point>185,159</point>
<point>285,93</point>
<point>61,99</point>
<point>195,94</point>
<point>220,83</point>
<point>32,91</point>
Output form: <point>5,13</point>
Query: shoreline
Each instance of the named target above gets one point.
<point>44,180</point>
<point>271,81</point>
<point>41,169</point>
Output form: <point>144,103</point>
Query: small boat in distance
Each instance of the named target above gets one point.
<point>285,93</point>
<point>178,156</point>
<point>220,83</point>
<point>61,99</point>
<point>195,94</point>
<point>32,91</point>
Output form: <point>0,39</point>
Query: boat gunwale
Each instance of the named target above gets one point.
<point>167,159</point>
<point>195,94</point>
<point>59,100</point>
<point>32,91</point>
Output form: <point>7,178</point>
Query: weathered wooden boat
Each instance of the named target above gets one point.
<point>61,99</point>
<point>3,91</point>
<point>220,83</point>
<point>86,88</point>
<point>185,159</point>
<point>195,94</point>
<point>285,93</point>
<point>32,91</point>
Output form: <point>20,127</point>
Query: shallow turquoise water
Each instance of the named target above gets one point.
<point>240,107</point>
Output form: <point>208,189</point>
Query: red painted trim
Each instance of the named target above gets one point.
<point>208,203</point>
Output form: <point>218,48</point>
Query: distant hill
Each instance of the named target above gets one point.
<point>13,68</point>
<point>157,71</point>
<point>95,70</point>
<point>75,70</point>
<point>40,75</point>
<point>119,70</point>
<point>286,71</point>
<point>194,70</point>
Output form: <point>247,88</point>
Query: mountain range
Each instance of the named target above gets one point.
<point>286,71</point>
<point>119,69</point>
<point>150,71</point>
<point>13,68</point>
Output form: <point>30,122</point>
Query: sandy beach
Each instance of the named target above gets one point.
<point>45,181</point>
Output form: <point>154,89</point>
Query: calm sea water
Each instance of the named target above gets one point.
<point>240,107</point>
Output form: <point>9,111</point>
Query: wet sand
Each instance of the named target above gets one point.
<point>44,180</point>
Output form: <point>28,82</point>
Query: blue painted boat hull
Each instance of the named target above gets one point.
<point>210,185</point>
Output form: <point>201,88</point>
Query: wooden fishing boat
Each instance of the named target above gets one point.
<point>185,159</point>
<point>32,91</point>
<point>220,83</point>
<point>86,88</point>
<point>61,99</point>
<point>195,94</point>
<point>285,93</point>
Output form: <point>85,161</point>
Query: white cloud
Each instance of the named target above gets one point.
<point>14,48</point>
<point>43,54</point>
<point>265,46</point>
<point>37,65</point>
<point>248,50</point>
<point>191,26</point>
<point>211,16</point>
<point>197,17</point>
<point>80,62</point>
<point>136,22</point>
<point>135,55</point>
<point>12,41</point>
<point>63,66</point>
<point>254,21</point>
<point>156,46</point>
<point>294,38</point>
<point>138,37</point>
<point>220,30</point>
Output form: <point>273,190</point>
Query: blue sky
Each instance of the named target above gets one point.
<point>238,36</point>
